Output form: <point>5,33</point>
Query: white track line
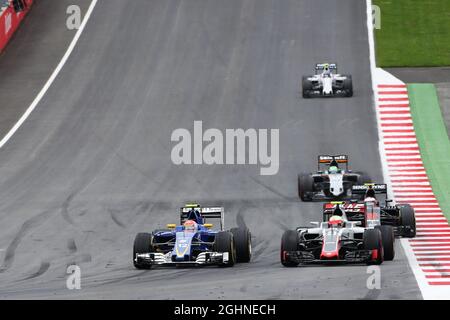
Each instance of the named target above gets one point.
<point>52,77</point>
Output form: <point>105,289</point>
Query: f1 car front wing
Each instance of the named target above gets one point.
<point>305,257</point>
<point>203,259</point>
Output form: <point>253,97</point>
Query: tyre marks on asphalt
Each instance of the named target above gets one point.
<point>115,217</point>
<point>65,208</point>
<point>26,227</point>
<point>72,246</point>
<point>271,189</point>
<point>45,265</point>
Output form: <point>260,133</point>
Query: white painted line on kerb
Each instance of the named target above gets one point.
<point>52,77</point>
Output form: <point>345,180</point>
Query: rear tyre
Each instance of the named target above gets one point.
<point>142,244</point>
<point>408,221</point>
<point>243,243</point>
<point>306,87</point>
<point>289,242</point>
<point>388,240</point>
<point>305,187</point>
<point>348,86</point>
<point>224,242</point>
<point>372,241</point>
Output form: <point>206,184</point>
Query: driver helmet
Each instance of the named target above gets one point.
<point>190,226</point>
<point>370,196</point>
<point>336,221</point>
<point>333,169</point>
<point>338,211</point>
<point>326,67</point>
<point>195,215</point>
<point>370,199</point>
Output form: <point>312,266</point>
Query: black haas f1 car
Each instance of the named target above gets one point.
<point>333,183</point>
<point>193,242</point>
<point>337,240</point>
<point>327,83</point>
<point>366,209</point>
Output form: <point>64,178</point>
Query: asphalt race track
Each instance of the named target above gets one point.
<point>91,166</point>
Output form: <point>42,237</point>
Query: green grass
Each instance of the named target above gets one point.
<point>414,33</point>
<point>433,140</point>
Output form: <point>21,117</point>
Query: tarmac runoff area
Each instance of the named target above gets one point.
<point>443,90</point>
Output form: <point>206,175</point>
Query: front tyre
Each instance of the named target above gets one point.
<point>388,239</point>
<point>305,187</point>
<point>142,244</point>
<point>289,243</point>
<point>243,243</point>
<point>348,86</point>
<point>373,242</point>
<point>306,88</point>
<point>224,242</point>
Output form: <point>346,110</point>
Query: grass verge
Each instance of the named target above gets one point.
<point>414,33</point>
<point>433,140</point>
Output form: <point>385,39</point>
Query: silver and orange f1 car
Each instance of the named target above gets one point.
<point>337,240</point>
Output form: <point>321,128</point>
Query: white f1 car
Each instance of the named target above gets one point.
<point>327,83</point>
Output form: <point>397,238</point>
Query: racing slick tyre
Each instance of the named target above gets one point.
<point>348,86</point>
<point>388,239</point>
<point>306,87</point>
<point>243,243</point>
<point>408,221</point>
<point>305,187</point>
<point>142,244</point>
<point>289,242</point>
<point>224,242</point>
<point>373,241</point>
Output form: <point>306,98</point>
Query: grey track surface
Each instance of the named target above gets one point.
<point>91,166</point>
<point>443,90</point>
<point>31,56</point>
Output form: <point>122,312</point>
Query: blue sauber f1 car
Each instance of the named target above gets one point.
<point>193,242</point>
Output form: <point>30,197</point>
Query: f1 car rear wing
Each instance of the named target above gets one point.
<point>359,191</point>
<point>321,66</point>
<point>329,209</point>
<point>378,188</point>
<point>339,159</point>
<point>207,214</point>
